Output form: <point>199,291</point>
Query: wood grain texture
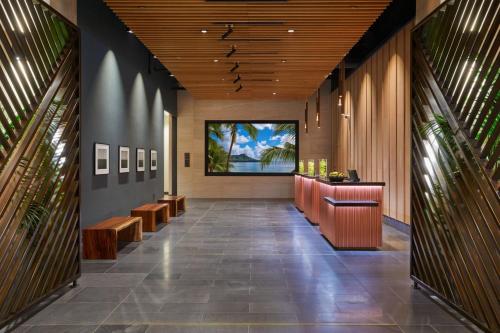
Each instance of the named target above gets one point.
<point>152,214</point>
<point>176,204</point>
<point>325,30</point>
<point>100,241</point>
<point>455,200</point>
<point>39,155</point>
<point>375,140</point>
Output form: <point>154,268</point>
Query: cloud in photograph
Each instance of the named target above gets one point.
<point>261,127</point>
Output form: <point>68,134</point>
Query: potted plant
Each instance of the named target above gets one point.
<point>336,176</point>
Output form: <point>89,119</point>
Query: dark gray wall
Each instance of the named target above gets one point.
<point>121,104</point>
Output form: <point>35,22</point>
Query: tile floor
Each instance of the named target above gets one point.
<point>246,266</point>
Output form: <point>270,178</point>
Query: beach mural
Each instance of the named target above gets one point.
<point>251,147</point>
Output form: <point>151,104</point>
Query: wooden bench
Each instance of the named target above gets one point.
<point>151,214</point>
<point>177,203</point>
<point>100,241</point>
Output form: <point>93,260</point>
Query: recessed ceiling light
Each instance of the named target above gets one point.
<point>223,79</point>
<point>204,31</point>
<point>216,60</point>
<point>130,31</point>
<point>155,57</point>
<point>283,60</point>
<point>277,80</point>
<point>172,75</point>
<point>275,93</point>
<point>291,30</point>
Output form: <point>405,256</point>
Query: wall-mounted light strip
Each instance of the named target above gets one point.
<point>306,125</point>
<point>318,108</point>
<point>341,89</point>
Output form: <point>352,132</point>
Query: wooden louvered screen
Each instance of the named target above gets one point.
<point>39,154</point>
<point>455,157</point>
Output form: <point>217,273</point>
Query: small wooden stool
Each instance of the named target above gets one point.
<point>100,241</point>
<point>151,214</point>
<point>176,202</point>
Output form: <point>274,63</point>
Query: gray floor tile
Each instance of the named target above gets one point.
<point>62,329</point>
<point>247,266</point>
<point>101,294</point>
<point>122,329</point>
<point>73,314</point>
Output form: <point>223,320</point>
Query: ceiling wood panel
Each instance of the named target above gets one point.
<point>273,63</point>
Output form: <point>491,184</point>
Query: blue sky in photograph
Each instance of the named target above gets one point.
<point>253,148</point>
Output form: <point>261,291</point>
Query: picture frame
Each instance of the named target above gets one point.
<point>153,160</point>
<point>101,159</point>
<point>141,159</point>
<point>124,159</point>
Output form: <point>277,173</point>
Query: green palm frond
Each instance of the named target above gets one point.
<point>251,130</point>
<point>278,154</point>
<point>35,214</point>
<point>285,129</point>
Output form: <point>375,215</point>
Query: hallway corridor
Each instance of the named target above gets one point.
<point>246,266</point>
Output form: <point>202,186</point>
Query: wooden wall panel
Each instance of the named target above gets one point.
<point>375,140</point>
<point>39,156</point>
<point>192,113</point>
<point>455,163</point>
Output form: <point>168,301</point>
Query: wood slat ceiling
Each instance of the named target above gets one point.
<point>271,59</point>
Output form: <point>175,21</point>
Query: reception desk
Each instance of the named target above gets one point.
<point>299,194</point>
<point>349,214</point>
<point>310,196</point>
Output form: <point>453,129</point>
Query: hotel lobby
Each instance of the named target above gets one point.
<point>249,166</point>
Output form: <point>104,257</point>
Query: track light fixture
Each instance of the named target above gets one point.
<point>233,51</point>
<point>239,88</point>
<point>228,32</point>
<point>238,79</point>
<point>236,66</point>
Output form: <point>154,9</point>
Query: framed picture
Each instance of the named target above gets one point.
<point>101,159</point>
<point>124,158</point>
<point>141,159</point>
<point>154,160</point>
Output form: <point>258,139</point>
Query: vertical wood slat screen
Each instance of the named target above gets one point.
<point>375,140</point>
<point>455,201</point>
<point>39,154</point>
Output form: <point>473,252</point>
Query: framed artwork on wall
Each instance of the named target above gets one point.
<point>101,159</point>
<point>141,159</point>
<point>154,160</point>
<point>124,158</point>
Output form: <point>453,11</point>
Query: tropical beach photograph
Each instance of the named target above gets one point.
<point>253,148</point>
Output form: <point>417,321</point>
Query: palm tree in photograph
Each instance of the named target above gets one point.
<point>233,130</point>
<point>217,157</point>
<point>285,153</point>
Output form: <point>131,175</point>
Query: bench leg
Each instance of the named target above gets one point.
<point>100,244</point>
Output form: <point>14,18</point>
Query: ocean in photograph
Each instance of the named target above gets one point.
<point>255,167</point>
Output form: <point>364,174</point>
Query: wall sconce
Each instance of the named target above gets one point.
<point>306,127</point>
<point>318,108</point>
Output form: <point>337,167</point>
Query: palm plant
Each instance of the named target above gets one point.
<point>287,152</point>
<point>233,130</point>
